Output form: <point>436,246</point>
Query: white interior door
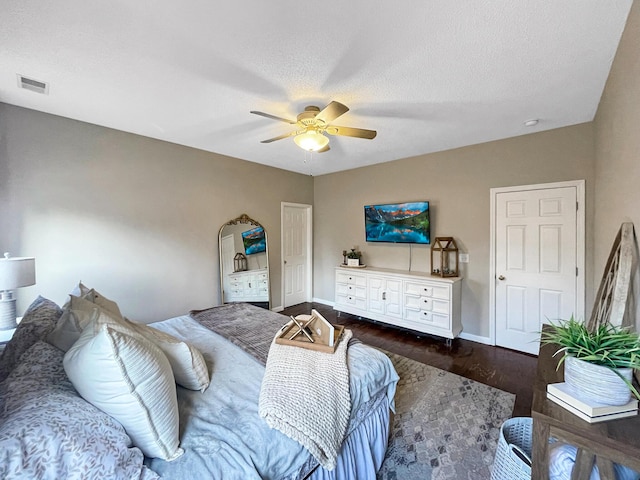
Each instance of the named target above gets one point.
<point>537,260</point>
<point>228,252</point>
<point>296,253</point>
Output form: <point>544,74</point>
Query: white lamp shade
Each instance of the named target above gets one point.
<point>311,141</point>
<point>16,272</point>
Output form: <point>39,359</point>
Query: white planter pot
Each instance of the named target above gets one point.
<point>596,383</point>
<point>353,262</point>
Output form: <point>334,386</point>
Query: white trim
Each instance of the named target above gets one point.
<point>309,267</point>
<point>324,302</point>
<point>475,338</point>
<point>580,246</point>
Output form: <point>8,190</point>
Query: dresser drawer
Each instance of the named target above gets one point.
<point>351,279</point>
<point>416,315</point>
<point>418,289</point>
<point>418,303</point>
<point>426,317</point>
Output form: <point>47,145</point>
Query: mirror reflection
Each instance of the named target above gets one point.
<point>244,262</point>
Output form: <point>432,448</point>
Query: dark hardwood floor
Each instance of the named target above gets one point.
<point>505,369</point>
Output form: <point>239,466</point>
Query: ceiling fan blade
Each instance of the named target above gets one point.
<point>331,112</point>
<point>324,149</point>
<point>273,117</point>
<point>351,132</point>
<point>280,137</point>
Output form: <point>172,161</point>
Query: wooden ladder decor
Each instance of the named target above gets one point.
<point>611,300</point>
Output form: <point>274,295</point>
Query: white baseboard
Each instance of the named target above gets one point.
<point>324,302</point>
<point>314,300</point>
<point>476,338</point>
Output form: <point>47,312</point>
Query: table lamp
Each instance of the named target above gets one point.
<point>15,272</point>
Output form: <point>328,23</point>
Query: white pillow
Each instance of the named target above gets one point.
<point>78,291</point>
<point>130,379</point>
<point>68,328</point>
<point>187,363</point>
<point>77,314</point>
<point>102,302</point>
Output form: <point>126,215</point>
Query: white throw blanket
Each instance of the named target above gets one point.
<point>305,395</point>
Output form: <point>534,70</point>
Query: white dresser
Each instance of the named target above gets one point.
<point>413,300</point>
<point>248,286</point>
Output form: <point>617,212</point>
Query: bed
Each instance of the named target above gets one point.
<point>51,426</point>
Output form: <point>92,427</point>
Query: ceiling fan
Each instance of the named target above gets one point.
<point>312,125</point>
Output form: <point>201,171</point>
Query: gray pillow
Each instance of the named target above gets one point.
<point>38,321</point>
<point>48,431</point>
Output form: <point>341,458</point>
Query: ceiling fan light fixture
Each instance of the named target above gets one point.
<point>311,141</point>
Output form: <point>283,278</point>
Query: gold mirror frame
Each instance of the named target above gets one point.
<point>243,219</point>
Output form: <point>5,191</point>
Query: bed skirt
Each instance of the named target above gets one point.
<point>363,450</point>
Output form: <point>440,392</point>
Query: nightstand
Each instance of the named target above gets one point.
<point>5,335</point>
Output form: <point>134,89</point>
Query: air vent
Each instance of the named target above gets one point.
<point>33,85</point>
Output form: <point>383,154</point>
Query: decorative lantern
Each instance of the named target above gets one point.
<point>239,263</point>
<point>444,257</point>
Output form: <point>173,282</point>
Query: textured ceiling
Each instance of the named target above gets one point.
<point>427,75</point>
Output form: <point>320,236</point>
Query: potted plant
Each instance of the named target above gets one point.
<point>599,363</point>
<point>353,257</point>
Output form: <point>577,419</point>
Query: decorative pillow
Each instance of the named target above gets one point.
<point>68,330</point>
<point>48,431</point>
<point>187,363</point>
<point>130,379</point>
<point>102,301</point>
<point>77,314</point>
<point>39,319</point>
<point>93,296</point>
<point>78,291</point>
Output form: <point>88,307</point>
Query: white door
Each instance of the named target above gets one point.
<point>536,263</point>
<point>228,252</point>
<point>296,253</point>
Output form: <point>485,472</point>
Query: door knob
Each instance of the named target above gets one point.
<point>501,277</point>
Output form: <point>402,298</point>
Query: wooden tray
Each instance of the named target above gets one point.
<point>303,342</point>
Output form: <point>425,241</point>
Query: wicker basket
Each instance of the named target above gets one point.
<point>513,455</point>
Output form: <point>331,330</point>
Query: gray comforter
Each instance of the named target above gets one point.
<point>220,429</point>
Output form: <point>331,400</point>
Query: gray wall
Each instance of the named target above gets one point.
<point>456,183</point>
<point>617,143</point>
<point>134,217</point>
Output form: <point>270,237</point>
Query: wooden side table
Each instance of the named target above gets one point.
<point>603,443</point>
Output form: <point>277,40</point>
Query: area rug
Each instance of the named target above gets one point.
<point>446,426</point>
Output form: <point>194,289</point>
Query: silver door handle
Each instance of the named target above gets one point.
<point>384,295</point>
<point>501,277</point>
